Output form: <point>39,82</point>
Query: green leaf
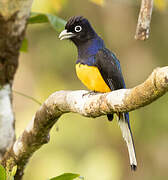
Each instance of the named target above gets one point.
<point>2,173</point>
<point>14,169</point>
<point>57,23</point>
<point>66,176</point>
<point>24,46</point>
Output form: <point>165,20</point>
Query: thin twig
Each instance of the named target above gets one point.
<point>28,97</point>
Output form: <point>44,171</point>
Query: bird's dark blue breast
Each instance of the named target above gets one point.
<point>86,66</point>
<point>88,51</point>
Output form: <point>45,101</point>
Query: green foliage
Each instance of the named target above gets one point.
<point>66,176</point>
<point>6,174</point>
<point>11,174</point>
<point>57,23</point>
<point>2,173</point>
<point>24,46</point>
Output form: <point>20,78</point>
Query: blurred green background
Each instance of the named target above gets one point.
<point>95,148</point>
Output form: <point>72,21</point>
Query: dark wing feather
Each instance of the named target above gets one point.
<point>109,67</point>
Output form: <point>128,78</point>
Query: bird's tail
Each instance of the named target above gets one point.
<point>127,135</point>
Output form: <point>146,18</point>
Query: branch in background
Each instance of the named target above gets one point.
<point>13,19</point>
<point>37,132</point>
<point>7,134</point>
<point>143,26</point>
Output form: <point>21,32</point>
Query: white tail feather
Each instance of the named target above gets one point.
<point>126,132</point>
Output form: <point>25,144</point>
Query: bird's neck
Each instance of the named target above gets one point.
<point>90,47</point>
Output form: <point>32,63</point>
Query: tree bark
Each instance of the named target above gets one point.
<point>13,19</point>
<point>37,132</point>
<point>144,19</point>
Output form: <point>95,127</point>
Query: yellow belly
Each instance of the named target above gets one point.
<point>91,78</point>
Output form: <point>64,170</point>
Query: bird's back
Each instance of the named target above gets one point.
<point>99,69</point>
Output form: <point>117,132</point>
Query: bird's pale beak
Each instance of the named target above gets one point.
<point>66,35</point>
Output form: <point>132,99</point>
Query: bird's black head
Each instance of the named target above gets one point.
<point>78,30</point>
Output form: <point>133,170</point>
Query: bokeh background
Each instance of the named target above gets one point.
<point>95,148</point>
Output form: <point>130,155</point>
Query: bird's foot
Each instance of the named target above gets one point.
<point>90,93</point>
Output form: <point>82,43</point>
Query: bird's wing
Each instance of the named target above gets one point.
<point>109,67</point>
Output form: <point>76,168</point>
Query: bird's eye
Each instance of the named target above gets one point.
<point>78,28</point>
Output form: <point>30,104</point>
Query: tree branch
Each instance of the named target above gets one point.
<point>143,26</point>
<point>13,19</point>
<point>37,132</point>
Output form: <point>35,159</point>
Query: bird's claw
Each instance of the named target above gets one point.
<point>90,93</point>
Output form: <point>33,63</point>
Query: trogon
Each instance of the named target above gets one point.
<point>98,69</point>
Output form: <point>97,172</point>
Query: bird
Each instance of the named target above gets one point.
<point>99,70</point>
